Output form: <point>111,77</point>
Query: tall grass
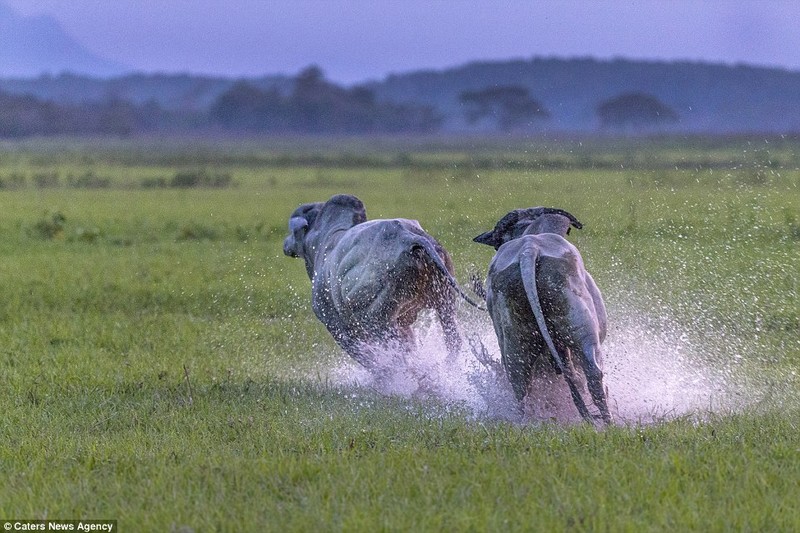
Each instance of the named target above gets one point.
<point>161,364</point>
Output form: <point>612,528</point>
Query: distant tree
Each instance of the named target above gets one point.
<point>22,116</point>
<point>634,110</point>
<point>310,84</point>
<point>319,106</point>
<point>247,107</point>
<point>115,117</point>
<point>316,105</point>
<point>509,106</point>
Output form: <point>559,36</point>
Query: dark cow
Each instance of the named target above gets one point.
<point>545,306</point>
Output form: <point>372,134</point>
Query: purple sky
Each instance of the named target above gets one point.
<point>356,40</point>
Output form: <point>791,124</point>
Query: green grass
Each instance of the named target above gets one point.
<point>158,353</point>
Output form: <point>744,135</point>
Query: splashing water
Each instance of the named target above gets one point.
<point>652,374</point>
<point>655,375</point>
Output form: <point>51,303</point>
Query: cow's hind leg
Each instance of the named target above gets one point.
<point>357,350</point>
<point>594,379</point>
<point>446,312</point>
<point>569,376</point>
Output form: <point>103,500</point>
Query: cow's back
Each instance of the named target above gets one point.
<point>371,272</point>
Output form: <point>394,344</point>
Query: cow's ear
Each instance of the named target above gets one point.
<point>305,214</point>
<point>348,202</point>
<point>359,213</point>
<point>297,225</point>
<point>487,238</point>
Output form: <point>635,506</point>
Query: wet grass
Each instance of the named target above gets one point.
<point>158,353</point>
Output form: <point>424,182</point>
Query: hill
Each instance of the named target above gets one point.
<point>706,97</point>
<point>524,96</point>
<point>35,45</point>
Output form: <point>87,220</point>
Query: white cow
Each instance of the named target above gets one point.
<point>370,279</point>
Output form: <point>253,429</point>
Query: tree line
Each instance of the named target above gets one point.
<point>313,105</point>
<point>317,106</point>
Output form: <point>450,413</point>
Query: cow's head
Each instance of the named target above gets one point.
<point>528,221</point>
<point>311,224</point>
<point>300,221</point>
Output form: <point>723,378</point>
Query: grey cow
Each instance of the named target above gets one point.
<point>536,271</point>
<point>370,279</point>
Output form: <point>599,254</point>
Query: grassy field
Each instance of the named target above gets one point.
<point>161,366</point>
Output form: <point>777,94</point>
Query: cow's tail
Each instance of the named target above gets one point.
<point>431,252</point>
<point>527,266</point>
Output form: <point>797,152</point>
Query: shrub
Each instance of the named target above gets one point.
<point>45,180</point>
<point>196,232</point>
<point>88,181</point>
<point>200,178</point>
<point>159,182</point>
<point>15,180</point>
<point>90,234</point>
<point>50,226</point>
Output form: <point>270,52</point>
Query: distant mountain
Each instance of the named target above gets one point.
<point>705,97</point>
<point>30,46</point>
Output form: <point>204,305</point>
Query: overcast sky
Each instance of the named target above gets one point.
<point>356,40</point>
